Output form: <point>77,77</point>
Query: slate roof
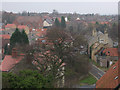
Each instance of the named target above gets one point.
<point>49,21</point>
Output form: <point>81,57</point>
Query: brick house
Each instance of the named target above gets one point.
<point>10,61</point>
<point>111,79</point>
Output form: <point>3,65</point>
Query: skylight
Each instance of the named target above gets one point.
<point>116,77</point>
<point>114,67</point>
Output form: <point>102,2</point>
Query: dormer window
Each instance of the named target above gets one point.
<point>114,67</point>
<point>116,77</point>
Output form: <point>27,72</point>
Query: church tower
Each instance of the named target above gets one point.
<point>94,32</point>
<point>106,35</point>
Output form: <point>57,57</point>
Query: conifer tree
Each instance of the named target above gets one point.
<point>57,23</point>
<point>19,38</point>
<point>63,23</point>
<point>24,37</point>
<point>15,38</point>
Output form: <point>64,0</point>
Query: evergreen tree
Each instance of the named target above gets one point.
<point>6,49</point>
<point>97,23</point>
<point>18,38</point>
<point>63,23</point>
<point>57,23</point>
<point>24,37</point>
<point>15,38</point>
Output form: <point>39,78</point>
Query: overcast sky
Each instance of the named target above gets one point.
<point>85,7</point>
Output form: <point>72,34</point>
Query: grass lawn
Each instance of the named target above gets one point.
<point>88,80</point>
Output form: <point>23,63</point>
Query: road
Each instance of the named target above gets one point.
<point>96,72</point>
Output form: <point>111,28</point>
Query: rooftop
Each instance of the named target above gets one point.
<point>5,36</point>
<point>111,51</point>
<point>10,25</point>
<point>22,26</point>
<point>9,62</point>
<point>111,78</point>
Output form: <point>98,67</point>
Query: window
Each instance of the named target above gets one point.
<point>116,77</point>
<point>114,67</point>
<point>43,41</point>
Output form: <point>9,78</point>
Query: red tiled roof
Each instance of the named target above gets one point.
<point>104,22</point>
<point>41,32</point>
<point>9,62</point>
<point>111,51</point>
<point>9,25</point>
<point>21,26</point>
<point>109,79</point>
<point>2,29</point>
<point>93,22</point>
<point>5,36</point>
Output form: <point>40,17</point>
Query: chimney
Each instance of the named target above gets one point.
<point>14,52</point>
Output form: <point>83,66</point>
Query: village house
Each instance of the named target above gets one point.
<point>100,37</point>
<point>95,49</point>
<point>103,55</point>
<point>9,29</point>
<point>36,34</point>
<point>47,23</point>
<point>107,57</point>
<point>9,32</point>
<point>11,60</point>
<point>10,26</point>
<point>97,41</point>
<point>111,79</point>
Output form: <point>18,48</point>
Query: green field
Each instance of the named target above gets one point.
<point>88,80</point>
